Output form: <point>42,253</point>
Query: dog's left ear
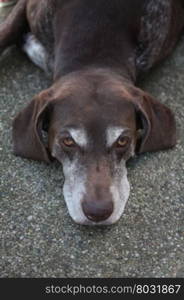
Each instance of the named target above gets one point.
<point>157,124</point>
<point>27,128</point>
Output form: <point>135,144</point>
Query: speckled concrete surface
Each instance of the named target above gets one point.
<point>37,236</point>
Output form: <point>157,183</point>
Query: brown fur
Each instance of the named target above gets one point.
<point>96,50</point>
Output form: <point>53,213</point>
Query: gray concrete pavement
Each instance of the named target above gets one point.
<point>37,236</point>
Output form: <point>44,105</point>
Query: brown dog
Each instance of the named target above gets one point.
<point>94,117</point>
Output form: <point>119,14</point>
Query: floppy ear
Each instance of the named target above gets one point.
<point>158,125</point>
<point>27,129</point>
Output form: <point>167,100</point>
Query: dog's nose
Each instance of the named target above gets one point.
<point>97,211</point>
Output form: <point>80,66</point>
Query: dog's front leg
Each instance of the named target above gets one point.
<point>14,26</point>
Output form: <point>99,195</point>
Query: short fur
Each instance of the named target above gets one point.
<point>95,50</point>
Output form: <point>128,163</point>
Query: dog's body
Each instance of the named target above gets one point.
<point>95,117</point>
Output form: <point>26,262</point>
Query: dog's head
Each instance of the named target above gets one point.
<point>94,123</point>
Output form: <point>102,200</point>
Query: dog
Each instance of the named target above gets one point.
<point>94,118</point>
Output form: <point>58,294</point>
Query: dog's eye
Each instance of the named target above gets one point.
<point>123,142</point>
<point>68,142</point>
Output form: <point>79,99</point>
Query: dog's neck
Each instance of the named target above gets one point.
<point>93,43</point>
<point>120,63</point>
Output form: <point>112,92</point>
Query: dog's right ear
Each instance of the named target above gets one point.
<point>27,128</point>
